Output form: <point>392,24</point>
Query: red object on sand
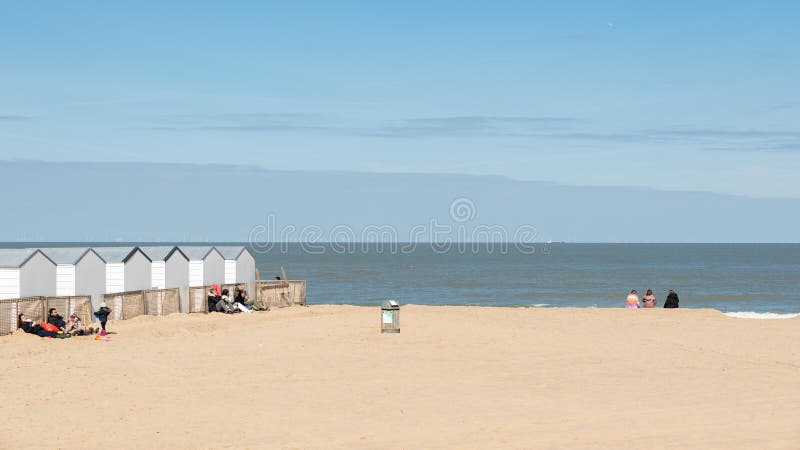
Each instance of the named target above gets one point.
<point>49,327</point>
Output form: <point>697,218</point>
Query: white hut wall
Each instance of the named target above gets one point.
<point>38,277</point>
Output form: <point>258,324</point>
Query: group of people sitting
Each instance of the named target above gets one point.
<point>649,300</point>
<point>220,300</point>
<point>57,327</point>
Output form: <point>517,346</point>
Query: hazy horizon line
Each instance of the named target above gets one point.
<point>389,172</point>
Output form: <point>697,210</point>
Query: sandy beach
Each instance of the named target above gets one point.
<point>455,377</point>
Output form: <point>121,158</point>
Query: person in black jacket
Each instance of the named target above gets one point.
<point>240,295</point>
<point>213,299</point>
<point>54,318</point>
<point>102,315</point>
<point>672,300</point>
<point>28,326</point>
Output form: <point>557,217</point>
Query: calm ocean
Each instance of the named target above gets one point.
<point>729,277</point>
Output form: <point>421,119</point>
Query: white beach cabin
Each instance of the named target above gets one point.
<point>79,271</point>
<point>127,269</point>
<point>26,272</point>
<point>206,265</point>
<point>240,266</point>
<point>169,267</point>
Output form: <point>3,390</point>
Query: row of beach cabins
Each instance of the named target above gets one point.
<point>96,272</point>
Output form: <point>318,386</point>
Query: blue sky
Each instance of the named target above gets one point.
<point>678,96</point>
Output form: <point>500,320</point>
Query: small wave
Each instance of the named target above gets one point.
<point>756,315</point>
<point>367,272</point>
<point>541,305</point>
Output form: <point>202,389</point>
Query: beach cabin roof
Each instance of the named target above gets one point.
<point>117,254</point>
<point>14,258</point>
<point>161,252</point>
<point>230,251</point>
<point>196,252</point>
<point>66,255</point>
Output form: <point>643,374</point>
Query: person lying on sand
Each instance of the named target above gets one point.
<point>28,326</point>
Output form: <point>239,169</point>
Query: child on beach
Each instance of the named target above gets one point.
<point>649,299</point>
<point>75,327</point>
<point>632,301</point>
<point>102,315</point>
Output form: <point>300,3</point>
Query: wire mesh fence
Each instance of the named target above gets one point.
<point>80,305</point>
<point>32,307</point>
<point>152,302</point>
<point>281,293</point>
<point>198,299</point>
<point>160,302</point>
<point>125,305</point>
<point>298,292</point>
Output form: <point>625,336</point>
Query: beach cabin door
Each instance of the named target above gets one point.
<point>158,274</point>
<point>195,273</point>
<point>9,283</point>
<point>65,280</point>
<point>115,277</point>
<point>230,271</point>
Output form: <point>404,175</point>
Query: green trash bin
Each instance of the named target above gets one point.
<point>390,317</point>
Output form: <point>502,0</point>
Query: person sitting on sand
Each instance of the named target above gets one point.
<point>240,295</point>
<point>28,326</point>
<point>213,299</point>
<point>240,299</point>
<point>633,300</point>
<point>672,300</point>
<point>102,314</point>
<point>649,299</point>
<point>225,303</point>
<point>54,318</point>
<point>75,326</point>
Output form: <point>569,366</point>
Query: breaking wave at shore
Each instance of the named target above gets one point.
<point>763,315</point>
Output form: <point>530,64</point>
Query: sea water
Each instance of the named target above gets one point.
<point>733,278</point>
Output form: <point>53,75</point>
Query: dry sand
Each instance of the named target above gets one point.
<point>456,377</point>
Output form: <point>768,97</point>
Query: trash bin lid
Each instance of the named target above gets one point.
<point>390,304</point>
